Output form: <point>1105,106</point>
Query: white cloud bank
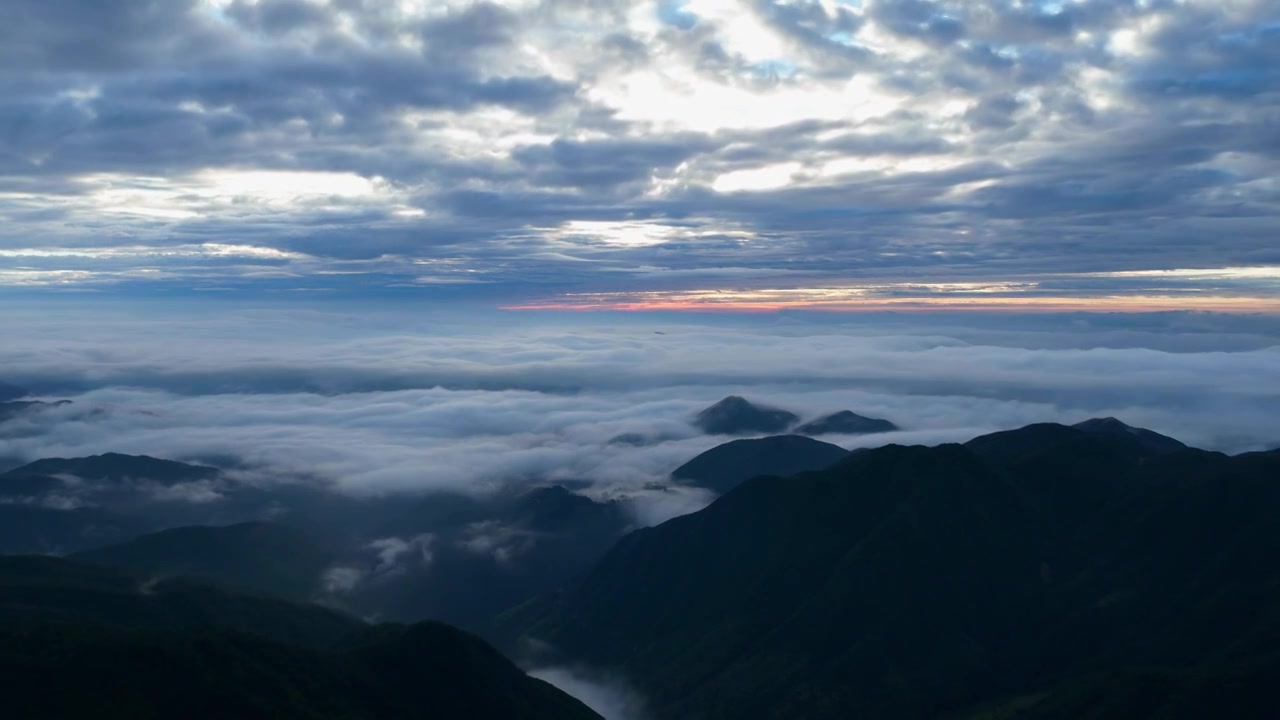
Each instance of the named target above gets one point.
<point>378,403</point>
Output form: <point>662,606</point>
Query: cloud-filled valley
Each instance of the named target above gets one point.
<point>404,464</point>
<point>417,463</point>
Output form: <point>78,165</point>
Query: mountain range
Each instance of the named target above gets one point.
<point>1053,571</point>
<point>260,557</point>
<point>81,641</point>
<point>1152,441</point>
<point>61,505</point>
<point>846,422</point>
<point>113,468</point>
<point>1046,572</point>
<point>17,408</point>
<point>454,559</point>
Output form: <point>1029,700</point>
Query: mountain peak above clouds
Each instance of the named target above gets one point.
<point>846,422</point>
<point>15,408</point>
<point>735,415</point>
<point>116,468</point>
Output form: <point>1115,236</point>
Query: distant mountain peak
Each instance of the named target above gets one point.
<point>117,467</point>
<point>1104,423</point>
<point>633,439</point>
<point>846,422</point>
<point>726,466</point>
<point>14,408</point>
<point>1151,440</point>
<point>736,415</point>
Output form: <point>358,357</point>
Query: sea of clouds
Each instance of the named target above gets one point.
<point>373,400</point>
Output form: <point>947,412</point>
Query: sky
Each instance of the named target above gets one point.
<point>678,155</point>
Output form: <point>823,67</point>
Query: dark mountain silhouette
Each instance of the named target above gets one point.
<point>65,505</point>
<point>737,416</point>
<point>486,556</point>
<point>726,466</point>
<point>555,508</point>
<point>54,505</point>
<point>1046,572</point>
<point>444,557</point>
<point>112,468</point>
<point>263,557</point>
<point>1153,441</point>
<point>460,560</point>
<point>1008,447</point>
<point>1069,473</point>
<point>845,422</point>
<point>26,528</point>
<point>17,408</point>
<point>37,590</point>
<point>119,646</point>
<point>633,439</point>
<point>640,439</point>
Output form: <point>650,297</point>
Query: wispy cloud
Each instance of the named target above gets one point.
<point>545,148</point>
<point>374,400</point>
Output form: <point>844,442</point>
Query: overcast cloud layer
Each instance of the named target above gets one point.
<point>376,402</point>
<point>584,153</point>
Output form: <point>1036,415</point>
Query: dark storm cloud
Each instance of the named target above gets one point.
<point>910,138</point>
